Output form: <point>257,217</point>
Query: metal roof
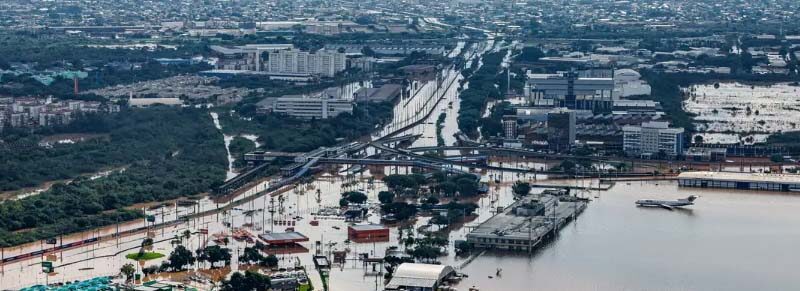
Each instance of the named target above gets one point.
<point>282,237</point>
<point>419,275</point>
<point>363,227</point>
<point>741,177</point>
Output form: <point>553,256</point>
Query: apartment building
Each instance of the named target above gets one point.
<point>293,61</point>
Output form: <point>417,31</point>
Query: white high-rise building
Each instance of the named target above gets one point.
<point>324,63</point>
<point>652,138</point>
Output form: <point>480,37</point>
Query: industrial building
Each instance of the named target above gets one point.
<point>524,224</point>
<point>743,181</point>
<point>651,139</point>
<point>147,102</point>
<point>321,105</point>
<point>703,154</point>
<point>368,232</point>
<point>570,90</point>
<point>390,49</point>
<point>628,83</point>
<point>420,277</point>
<point>386,92</point>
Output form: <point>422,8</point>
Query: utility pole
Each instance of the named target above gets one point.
<point>272,213</point>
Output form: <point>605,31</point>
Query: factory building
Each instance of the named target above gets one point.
<point>570,90</point>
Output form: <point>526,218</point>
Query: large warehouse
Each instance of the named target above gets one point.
<point>419,277</point>
<point>744,181</point>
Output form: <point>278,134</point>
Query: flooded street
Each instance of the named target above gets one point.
<point>227,138</point>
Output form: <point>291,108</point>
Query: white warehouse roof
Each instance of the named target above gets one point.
<point>419,275</point>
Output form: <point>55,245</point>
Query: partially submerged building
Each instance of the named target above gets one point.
<point>742,181</point>
<point>420,277</point>
<point>524,224</point>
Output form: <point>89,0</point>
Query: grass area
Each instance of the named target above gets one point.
<point>146,256</point>
<point>305,287</point>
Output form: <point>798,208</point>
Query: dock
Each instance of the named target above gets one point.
<point>526,223</point>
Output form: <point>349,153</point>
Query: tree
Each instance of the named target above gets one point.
<point>521,188</point>
<point>128,270</point>
<point>180,258</point>
<point>399,182</point>
<point>269,261</point>
<point>400,210</point>
<point>146,243</point>
<point>467,186</point>
<point>431,200</point>
<point>247,282</point>
<point>448,188</point>
<point>440,220</point>
<point>426,252</point>
<point>462,246</point>
<point>251,255</point>
<point>214,254</point>
<point>355,197</point>
<point>530,54</point>
<point>385,197</point>
<point>776,158</point>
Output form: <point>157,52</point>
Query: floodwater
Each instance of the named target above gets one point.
<point>231,171</point>
<point>730,240</point>
<point>230,174</point>
<point>736,112</point>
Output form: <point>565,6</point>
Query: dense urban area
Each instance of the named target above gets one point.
<point>297,145</point>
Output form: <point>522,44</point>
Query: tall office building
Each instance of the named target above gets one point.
<point>561,129</point>
<point>653,138</point>
<point>510,126</point>
<point>325,63</point>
